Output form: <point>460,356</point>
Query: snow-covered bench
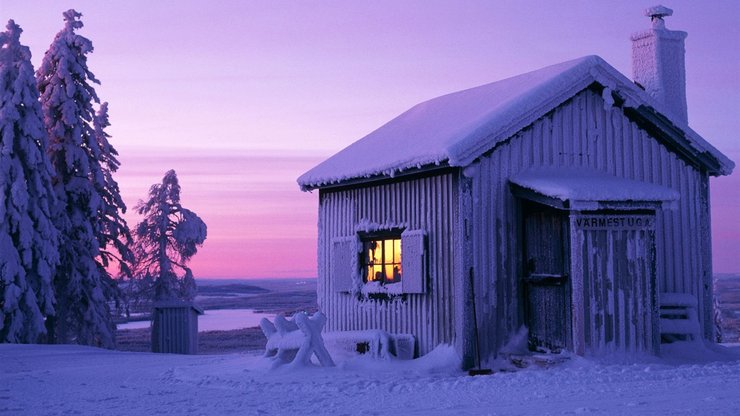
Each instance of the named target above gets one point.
<point>375,342</point>
<point>293,341</point>
<point>678,317</point>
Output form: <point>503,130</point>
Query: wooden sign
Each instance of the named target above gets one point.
<point>613,222</point>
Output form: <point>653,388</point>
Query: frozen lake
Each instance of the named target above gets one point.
<point>217,320</point>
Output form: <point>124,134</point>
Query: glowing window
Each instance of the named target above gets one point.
<point>382,259</point>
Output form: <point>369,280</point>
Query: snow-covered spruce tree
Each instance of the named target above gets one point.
<point>166,239</point>
<point>28,238</point>
<point>88,217</point>
<point>114,236</point>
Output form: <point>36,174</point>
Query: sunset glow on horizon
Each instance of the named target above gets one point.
<point>240,98</point>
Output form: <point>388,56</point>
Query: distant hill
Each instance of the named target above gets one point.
<point>228,289</point>
<point>725,276</point>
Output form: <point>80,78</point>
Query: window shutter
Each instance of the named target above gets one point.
<point>413,264</point>
<point>343,263</point>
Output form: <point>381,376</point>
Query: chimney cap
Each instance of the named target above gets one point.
<point>657,13</point>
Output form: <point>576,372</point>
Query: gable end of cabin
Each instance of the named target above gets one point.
<point>586,133</point>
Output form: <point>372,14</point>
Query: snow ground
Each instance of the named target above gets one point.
<point>62,380</point>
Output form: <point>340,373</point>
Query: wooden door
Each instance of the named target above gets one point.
<point>613,275</point>
<point>545,277</point>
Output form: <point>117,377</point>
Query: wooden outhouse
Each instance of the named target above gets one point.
<point>175,327</point>
<point>564,200</point>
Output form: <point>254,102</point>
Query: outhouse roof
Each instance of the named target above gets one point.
<point>178,304</point>
<point>457,128</point>
<point>579,187</point>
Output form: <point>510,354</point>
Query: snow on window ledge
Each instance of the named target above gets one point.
<point>379,288</point>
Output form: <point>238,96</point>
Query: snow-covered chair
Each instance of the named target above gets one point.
<point>678,317</point>
<point>293,341</point>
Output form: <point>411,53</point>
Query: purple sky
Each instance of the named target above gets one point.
<point>241,97</point>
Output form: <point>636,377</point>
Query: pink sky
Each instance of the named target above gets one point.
<point>241,97</point>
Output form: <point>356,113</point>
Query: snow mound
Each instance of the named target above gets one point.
<point>441,360</point>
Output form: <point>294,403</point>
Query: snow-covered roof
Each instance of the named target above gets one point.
<point>589,185</point>
<point>457,128</point>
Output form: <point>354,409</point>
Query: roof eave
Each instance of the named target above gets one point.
<point>676,139</point>
<point>425,170</point>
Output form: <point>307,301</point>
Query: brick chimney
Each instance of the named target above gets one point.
<point>658,63</point>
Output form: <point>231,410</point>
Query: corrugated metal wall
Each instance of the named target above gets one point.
<point>175,330</point>
<point>428,203</point>
<point>581,132</point>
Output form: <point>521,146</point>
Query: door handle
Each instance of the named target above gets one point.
<point>546,279</point>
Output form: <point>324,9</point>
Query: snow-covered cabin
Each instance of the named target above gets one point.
<point>566,200</point>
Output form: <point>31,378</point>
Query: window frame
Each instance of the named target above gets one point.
<point>364,260</point>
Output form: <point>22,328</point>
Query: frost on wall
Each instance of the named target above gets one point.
<point>28,238</point>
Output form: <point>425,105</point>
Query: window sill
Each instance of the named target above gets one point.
<point>378,288</point>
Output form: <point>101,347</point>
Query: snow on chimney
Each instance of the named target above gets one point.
<point>658,63</point>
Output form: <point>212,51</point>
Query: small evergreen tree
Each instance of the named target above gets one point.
<point>89,217</point>
<point>28,238</point>
<point>166,239</point>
